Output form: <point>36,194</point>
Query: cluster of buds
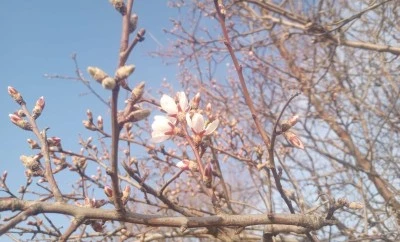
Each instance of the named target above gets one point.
<point>39,106</point>
<point>101,77</point>
<point>79,162</point>
<point>125,234</point>
<point>187,164</point>
<point>119,5</point>
<point>343,202</point>
<point>125,193</point>
<point>124,71</point>
<point>36,223</point>
<point>33,144</point>
<point>132,112</point>
<point>290,136</point>
<point>89,122</point>
<point>54,143</point>
<point>32,165</point>
<point>109,82</point>
<point>91,203</point>
<point>20,122</point>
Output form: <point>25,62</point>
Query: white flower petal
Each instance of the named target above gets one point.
<point>161,124</point>
<point>212,127</point>
<point>182,165</point>
<point>158,138</point>
<point>183,101</point>
<point>168,104</point>
<point>188,120</point>
<point>197,123</point>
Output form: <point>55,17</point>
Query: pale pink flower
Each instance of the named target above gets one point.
<point>197,124</point>
<point>172,108</point>
<point>183,164</point>
<point>163,128</point>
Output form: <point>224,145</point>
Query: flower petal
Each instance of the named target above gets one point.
<point>212,127</point>
<point>161,124</point>
<point>197,123</point>
<point>158,138</point>
<point>168,104</point>
<point>188,120</point>
<point>182,165</point>
<point>183,101</point>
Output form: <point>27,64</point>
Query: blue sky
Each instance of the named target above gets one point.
<point>39,37</point>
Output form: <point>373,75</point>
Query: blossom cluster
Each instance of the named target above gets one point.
<point>178,113</point>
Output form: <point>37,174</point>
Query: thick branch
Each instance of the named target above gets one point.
<point>311,222</point>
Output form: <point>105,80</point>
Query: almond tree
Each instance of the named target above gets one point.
<point>286,128</point>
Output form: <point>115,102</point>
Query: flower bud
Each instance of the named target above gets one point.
<point>32,165</point>
<point>22,123</point>
<point>124,71</point>
<point>208,108</point>
<point>100,123</point>
<point>89,115</point>
<point>53,141</point>
<point>108,83</point>
<point>138,115</point>
<point>194,103</point>
<point>97,73</point>
<point>208,177</point>
<point>119,5</point>
<point>183,164</point>
<point>286,125</point>
<point>125,194</point>
<point>356,205</point>
<point>79,162</point>
<point>89,125</point>
<point>16,95</point>
<point>133,20</point>
<point>20,113</point>
<point>33,144</point>
<point>293,139</point>
<point>137,93</point>
<point>4,176</point>
<point>108,191</point>
<point>193,166</point>
<point>97,227</point>
<point>39,106</point>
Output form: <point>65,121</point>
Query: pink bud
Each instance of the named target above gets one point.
<point>54,141</point>
<point>293,139</point>
<point>100,123</point>
<point>89,115</point>
<point>108,191</point>
<point>208,108</point>
<point>5,173</point>
<point>39,106</point>
<point>14,118</point>
<point>40,102</point>
<point>16,95</point>
<point>183,164</point>
<point>22,123</point>
<point>293,120</point>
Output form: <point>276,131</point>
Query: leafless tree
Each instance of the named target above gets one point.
<point>290,132</point>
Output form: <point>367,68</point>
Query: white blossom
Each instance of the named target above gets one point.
<point>197,124</point>
<point>169,105</point>
<point>163,128</point>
